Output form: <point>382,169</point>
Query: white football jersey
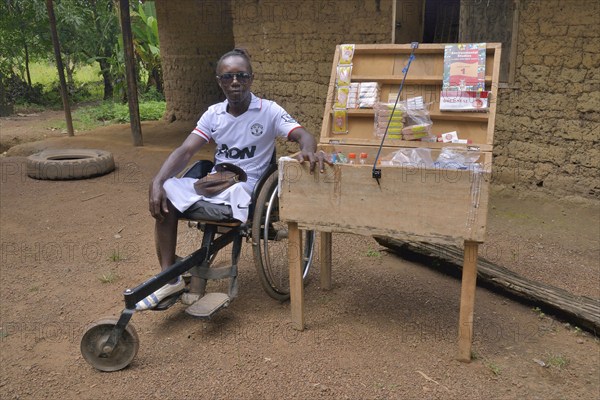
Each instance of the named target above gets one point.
<point>249,139</point>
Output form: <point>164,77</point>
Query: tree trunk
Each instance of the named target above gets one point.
<point>6,108</point>
<point>134,110</point>
<point>155,79</point>
<point>70,68</point>
<point>59,67</point>
<point>27,65</point>
<point>581,310</point>
<point>108,86</point>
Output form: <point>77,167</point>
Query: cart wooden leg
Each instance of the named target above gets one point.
<point>325,257</point>
<point>467,302</point>
<point>296,283</point>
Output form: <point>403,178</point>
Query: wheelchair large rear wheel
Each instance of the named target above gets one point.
<point>270,243</point>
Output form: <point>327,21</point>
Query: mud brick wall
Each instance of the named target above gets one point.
<point>292,44</point>
<point>547,129</point>
<point>193,35</point>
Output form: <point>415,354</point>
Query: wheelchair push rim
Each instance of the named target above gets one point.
<point>269,238</point>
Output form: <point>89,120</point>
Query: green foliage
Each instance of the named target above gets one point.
<point>24,35</point>
<point>495,368</point>
<point>557,361</point>
<point>152,95</point>
<point>539,312</point>
<point>373,253</point>
<point>108,277</point>
<point>144,26</point>
<point>88,32</point>
<point>19,92</point>
<point>152,110</point>
<point>116,256</point>
<point>112,113</point>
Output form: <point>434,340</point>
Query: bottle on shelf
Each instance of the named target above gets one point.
<point>351,158</point>
<point>363,158</point>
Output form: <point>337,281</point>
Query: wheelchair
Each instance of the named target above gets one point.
<point>110,344</point>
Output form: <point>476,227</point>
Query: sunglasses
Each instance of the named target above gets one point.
<point>241,77</point>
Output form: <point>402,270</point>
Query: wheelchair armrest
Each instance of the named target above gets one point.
<point>199,169</point>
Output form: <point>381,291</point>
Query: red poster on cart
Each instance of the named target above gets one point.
<point>464,67</point>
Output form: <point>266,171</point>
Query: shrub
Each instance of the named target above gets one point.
<point>18,92</point>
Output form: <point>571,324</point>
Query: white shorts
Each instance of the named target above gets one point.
<point>181,193</point>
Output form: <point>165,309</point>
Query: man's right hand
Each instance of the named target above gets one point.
<point>157,201</point>
<point>174,164</point>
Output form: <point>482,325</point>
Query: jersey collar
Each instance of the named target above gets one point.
<point>255,104</point>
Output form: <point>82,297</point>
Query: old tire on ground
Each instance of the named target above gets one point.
<point>62,164</point>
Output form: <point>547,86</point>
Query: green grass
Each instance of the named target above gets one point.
<point>492,366</point>
<point>115,256</point>
<point>108,277</point>
<point>47,74</point>
<point>108,113</point>
<point>43,73</point>
<point>556,360</point>
<point>373,253</point>
<point>89,91</point>
<point>88,82</point>
<point>539,312</point>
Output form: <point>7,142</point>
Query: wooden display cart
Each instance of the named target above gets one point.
<point>447,206</point>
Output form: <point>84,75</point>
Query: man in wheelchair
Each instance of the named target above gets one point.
<point>244,128</point>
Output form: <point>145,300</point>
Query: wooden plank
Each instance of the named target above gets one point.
<point>325,255</point>
<point>435,114</point>
<point>419,202</point>
<point>371,148</point>
<point>296,282</point>
<point>410,79</point>
<point>467,302</point>
<point>425,48</point>
<point>582,311</point>
<point>494,95</point>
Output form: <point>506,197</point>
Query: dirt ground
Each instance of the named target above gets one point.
<point>387,329</point>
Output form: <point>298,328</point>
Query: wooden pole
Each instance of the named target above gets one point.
<point>64,94</point>
<point>325,257</point>
<point>296,282</point>
<point>132,99</point>
<point>467,302</point>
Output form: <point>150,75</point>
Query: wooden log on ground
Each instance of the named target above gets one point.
<point>580,310</point>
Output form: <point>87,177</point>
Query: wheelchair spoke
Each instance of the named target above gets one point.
<point>270,238</point>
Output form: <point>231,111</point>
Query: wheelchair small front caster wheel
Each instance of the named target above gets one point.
<point>93,345</point>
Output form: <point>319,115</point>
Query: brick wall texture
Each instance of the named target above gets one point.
<point>547,126</point>
<point>547,129</point>
<point>292,45</point>
<point>193,35</point>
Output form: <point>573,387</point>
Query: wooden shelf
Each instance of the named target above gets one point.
<point>424,48</point>
<point>384,64</point>
<point>410,79</point>
<point>435,115</point>
<point>343,139</point>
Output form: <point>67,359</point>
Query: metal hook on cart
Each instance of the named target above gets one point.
<point>376,173</point>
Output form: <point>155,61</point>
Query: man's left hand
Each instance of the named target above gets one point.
<point>319,157</point>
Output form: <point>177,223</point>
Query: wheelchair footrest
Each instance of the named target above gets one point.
<point>208,305</point>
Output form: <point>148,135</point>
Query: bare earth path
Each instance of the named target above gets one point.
<point>387,329</point>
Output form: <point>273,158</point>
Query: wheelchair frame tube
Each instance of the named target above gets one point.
<point>132,296</point>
